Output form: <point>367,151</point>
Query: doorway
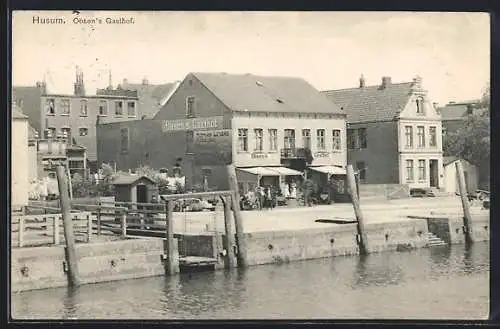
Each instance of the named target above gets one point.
<point>142,194</point>
<point>433,173</point>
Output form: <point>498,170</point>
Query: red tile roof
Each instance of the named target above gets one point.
<point>372,103</point>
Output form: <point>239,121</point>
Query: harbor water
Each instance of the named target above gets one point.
<point>437,283</point>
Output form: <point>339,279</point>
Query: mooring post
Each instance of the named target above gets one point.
<point>124,224</point>
<point>62,182</point>
<point>240,236</point>
<point>89,227</point>
<point>171,266</point>
<point>229,240</point>
<point>362,239</point>
<point>21,232</point>
<point>467,218</point>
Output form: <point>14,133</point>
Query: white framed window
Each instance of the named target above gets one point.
<point>65,106</point>
<point>420,105</point>
<point>289,139</point>
<point>409,171</point>
<point>337,140</point>
<point>243,140</point>
<point>408,136</point>
<point>259,139</point>
<point>432,136</point>
<point>421,170</point>
<point>50,106</point>
<point>131,109</point>
<point>421,136</point>
<point>306,138</point>
<point>273,140</point>
<point>118,108</point>
<point>320,139</point>
<point>83,131</point>
<point>190,106</point>
<point>66,132</point>
<point>103,108</point>
<point>83,108</point>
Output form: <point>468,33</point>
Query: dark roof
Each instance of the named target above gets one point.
<point>372,103</point>
<point>156,92</point>
<point>129,179</point>
<point>17,113</point>
<point>458,111</point>
<point>248,92</point>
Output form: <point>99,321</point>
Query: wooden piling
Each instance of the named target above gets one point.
<point>99,222</point>
<point>89,228</point>
<point>467,218</point>
<point>353,191</point>
<point>240,236</point>
<point>62,182</point>
<point>124,224</point>
<point>21,232</point>
<point>229,240</point>
<point>171,268</point>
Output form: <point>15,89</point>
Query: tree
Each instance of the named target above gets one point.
<point>471,141</point>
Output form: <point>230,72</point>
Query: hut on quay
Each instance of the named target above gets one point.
<point>134,188</point>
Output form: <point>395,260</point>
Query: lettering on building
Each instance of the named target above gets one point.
<point>259,155</point>
<point>321,154</point>
<point>208,123</point>
<point>211,136</point>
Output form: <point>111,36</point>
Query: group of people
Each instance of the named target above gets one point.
<point>266,197</point>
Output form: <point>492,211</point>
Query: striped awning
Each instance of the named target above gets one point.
<point>262,171</point>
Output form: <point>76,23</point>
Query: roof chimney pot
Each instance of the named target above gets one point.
<point>386,81</point>
<point>362,81</point>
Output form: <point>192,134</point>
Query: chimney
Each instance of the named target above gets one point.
<point>417,81</point>
<point>79,86</point>
<point>42,86</point>
<point>362,81</point>
<point>145,82</point>
<point>386,81</point>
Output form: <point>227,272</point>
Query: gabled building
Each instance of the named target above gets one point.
<point>454,114</point>
<point>393,133</point>
<point>270,128</point>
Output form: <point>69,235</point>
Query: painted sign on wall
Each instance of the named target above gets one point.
<point>208,123</point>
<point>212,147</point>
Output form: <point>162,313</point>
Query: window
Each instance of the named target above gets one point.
<point>409,170</point>
<point>50,107</point>
<point>83,108</point>
<point>421,169</point>
<point>409,136</point>
<point>103,108</point>
<point>83,131</point>
<point>190,106</point>
<point>243,140</point>
<point>421,136</point>
<point>273,139</point>
<point>66,132</point>
<point>351,138</point>
<point>306,138</point>
<point>289,140</point>
<point>131,109</point>
<point>124,140</point>
<point>432,137</point>
<point>320,139</point>
<point>119,108</point>
<point>259,139</point>
<point>337,140</point>
<point>420,105</point>
<point>51,132</point>
<point>361,168</point>
<point>362,138</point>
<point>65,107</point>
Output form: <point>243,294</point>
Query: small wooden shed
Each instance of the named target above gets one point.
<point>134,188</point>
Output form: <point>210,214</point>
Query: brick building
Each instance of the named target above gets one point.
<point>394,133</point>
<point>265,126</point>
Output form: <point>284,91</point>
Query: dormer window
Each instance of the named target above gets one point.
<point>420,105</point>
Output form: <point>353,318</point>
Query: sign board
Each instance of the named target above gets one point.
<point>212,137</point>
<point>208,123</point>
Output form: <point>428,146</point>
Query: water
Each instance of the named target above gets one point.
<point>439,283</point>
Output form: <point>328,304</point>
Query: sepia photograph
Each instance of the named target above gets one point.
<point>249,165</point>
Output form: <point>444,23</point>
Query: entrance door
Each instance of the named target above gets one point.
<point>433,173</point>
<point>142,194</point>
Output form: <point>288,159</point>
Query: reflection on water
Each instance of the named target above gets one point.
<point>437,283</point>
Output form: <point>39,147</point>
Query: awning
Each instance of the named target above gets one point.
<point>262,171</point>
<point>283,171</point>
<point>332,170</point>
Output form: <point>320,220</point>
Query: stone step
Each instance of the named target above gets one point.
<point>434,241</point>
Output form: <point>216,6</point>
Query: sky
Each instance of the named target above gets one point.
<point>450,51</point>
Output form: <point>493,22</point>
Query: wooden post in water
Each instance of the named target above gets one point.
<point>62,182</point>
<point>169,235</point>
<point>240,236</point>
<point>467,228</point>
<point>362,239</point>
<point>229,240</point>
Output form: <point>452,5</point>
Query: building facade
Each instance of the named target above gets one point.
<point>19,159</point>
<point>394,133</point>
<point>250,121</point>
